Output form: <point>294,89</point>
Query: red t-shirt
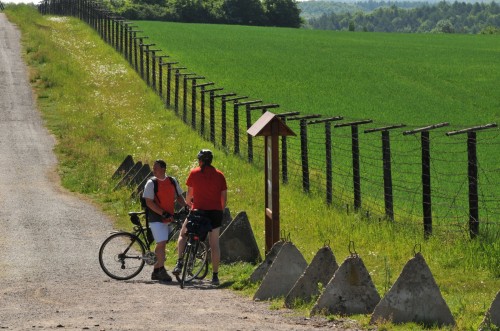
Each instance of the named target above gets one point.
<point>207,186</point>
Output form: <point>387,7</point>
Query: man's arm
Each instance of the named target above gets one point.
<point>153,206</point>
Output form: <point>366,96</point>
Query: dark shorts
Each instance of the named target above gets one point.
<point>215,217</point>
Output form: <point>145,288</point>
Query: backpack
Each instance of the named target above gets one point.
<point>199,224</point>
<point>155,182</point>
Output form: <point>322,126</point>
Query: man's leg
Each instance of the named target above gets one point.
<point>160,254</point>
<point>181,243</point>
<point>213,238</point>
<point>159,272</point>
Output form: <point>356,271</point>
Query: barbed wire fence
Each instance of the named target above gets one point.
<point>446,179</point>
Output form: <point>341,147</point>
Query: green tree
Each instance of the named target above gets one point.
<point>352,27</point>
<point>144,2</point>
<point>191,11</point>
<point>244,12</point>
<point>444,26</point>
<point>282,13</point>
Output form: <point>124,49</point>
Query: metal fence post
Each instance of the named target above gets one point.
<point>472,175</point>
<point>356,176</point>
<point>202,104</point>
<point>426,174</point>
<point>328,153</point>
<point>387,173</point>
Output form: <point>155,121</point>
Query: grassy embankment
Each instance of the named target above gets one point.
<point>100,111</point>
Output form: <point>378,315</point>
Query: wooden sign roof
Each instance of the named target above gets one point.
<point>270,124</point>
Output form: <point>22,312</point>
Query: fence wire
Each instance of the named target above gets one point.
<point>222,117</point>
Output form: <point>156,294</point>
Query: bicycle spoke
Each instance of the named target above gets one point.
<point>121,256</point>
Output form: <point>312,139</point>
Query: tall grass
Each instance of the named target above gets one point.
<point>100,111</point>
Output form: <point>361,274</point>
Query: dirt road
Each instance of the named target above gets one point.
<point>49,273</point>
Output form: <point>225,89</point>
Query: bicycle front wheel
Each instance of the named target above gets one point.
<point>203,260</point>
<point>121,256</point>
<point>195,262</point>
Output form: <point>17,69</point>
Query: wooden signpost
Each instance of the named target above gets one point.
<point>271,127</point>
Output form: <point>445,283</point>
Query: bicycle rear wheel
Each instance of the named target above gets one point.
<point>121,256</point>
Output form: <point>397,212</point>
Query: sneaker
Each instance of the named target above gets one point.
<point>178,268</point>
<point>215,281</point>
<point>161,275</point>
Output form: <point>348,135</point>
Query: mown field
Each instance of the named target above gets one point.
<point>99,110</point>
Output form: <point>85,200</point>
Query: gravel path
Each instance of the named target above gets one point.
<point>49,273</point>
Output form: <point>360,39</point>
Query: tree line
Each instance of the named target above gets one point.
<point>443,17</point>
<point>282,13</point>
<point>310,9</point>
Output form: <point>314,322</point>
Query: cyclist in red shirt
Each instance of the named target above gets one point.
<point>207,192</point>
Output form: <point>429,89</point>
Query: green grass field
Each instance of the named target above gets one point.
<point>414,79</point>
<point>99,110</point>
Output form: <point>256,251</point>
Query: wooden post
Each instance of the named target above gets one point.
<point>271,127</point>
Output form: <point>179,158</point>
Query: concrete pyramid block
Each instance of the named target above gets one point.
<point>124,167</point>
<point>492,317</point>
<point>287,267</point>
<point>143,173</point>
<point>237,242</point>
<point>226,220</point>
<point>414,297</point>
<point>321,270</point>
<point>129,175</point>
<point>350,291</point>
<point>262,269</point>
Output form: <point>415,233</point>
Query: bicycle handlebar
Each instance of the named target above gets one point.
<point>178,217</point>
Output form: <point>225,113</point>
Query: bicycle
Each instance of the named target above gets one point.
<point>195,251</point>
<point>123,254</point>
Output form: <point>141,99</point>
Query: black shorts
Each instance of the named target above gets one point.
<point>215,217</point>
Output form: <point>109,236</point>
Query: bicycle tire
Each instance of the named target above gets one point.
<point>187,256</point>
<point>121,256</point>
<point>195,263</point>
<point>203,249</point>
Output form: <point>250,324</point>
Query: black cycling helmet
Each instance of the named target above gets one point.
<point>206,156</point>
